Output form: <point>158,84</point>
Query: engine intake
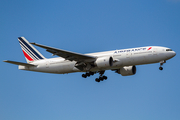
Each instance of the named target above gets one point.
<point>126,71</point>
<point>104,62</point>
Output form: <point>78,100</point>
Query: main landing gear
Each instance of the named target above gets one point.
<point>87,74</point>
<point>101,77</point>
<point>161,64</point>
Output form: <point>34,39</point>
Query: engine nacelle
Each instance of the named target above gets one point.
<point>104,62</point>
<point>126,71</point>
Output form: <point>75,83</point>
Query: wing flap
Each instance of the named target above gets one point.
<point>72,56</point>
<point>19,63</point>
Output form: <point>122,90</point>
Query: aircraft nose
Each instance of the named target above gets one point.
<point>174,53</point>
<point>170,54</point>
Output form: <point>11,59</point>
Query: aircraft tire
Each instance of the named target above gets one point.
<point>84,76</point>
<point>97,80</point>
<point>101,78</point>
<point>88,74</point>
<point>91,73</point>
<point>160,68</point>
<point>105,77</point>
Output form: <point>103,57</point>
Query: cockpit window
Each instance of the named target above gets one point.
<point>168,49</point>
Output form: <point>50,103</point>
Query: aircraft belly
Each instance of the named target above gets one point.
<point>139,59</point>
<point>62,68</point>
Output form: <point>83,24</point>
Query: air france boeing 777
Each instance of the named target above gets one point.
<point>122,61</point>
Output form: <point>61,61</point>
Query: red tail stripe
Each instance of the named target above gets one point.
<point>27,56</point>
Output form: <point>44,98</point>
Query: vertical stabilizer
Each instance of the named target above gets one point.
<point>31,54</point>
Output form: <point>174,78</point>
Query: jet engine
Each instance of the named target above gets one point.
<point>126,71</point>
<point>104,62</point>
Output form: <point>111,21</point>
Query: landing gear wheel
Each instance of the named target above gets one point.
<point>101,78</point>
<point>88,74</point>
<point>97,80</point>
<point>91,73</point>
<point>104,77</point>
<point>160,68</point>
<point>84,76</point>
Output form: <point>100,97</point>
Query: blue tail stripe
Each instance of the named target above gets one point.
<point>30,48</point>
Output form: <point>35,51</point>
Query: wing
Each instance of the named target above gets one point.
<point>72,56</point>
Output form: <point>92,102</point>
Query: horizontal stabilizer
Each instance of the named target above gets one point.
<point>19,63</point>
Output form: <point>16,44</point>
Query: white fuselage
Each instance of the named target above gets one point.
<point>121,58</point>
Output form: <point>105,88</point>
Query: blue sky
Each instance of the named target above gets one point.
<point>89,26</point>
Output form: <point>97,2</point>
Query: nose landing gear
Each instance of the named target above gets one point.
<point>161,64</point>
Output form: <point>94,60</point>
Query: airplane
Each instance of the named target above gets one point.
<point>123,61</point>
